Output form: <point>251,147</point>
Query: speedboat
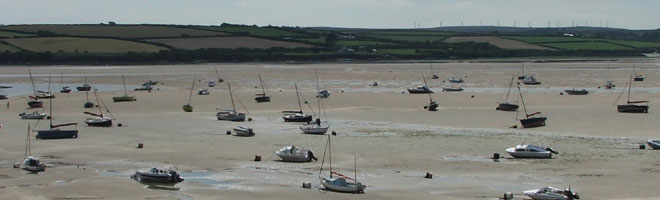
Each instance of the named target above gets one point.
<point>295,154</point>
<point>33,115</point>
<point>530,151</point>
<point>156,175</point>
<point>243,131</point>
<point>203,92</point>
<point>340,184</point>
<point>33,164</point>
<point>550,193</point>
<point>654,143</point>
<point>211,84</point>
<point>422,89</point>
<point>455,80</point>
<point>323,94</point>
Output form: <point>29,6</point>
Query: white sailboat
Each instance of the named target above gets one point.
<point>230,115</point>
<point>338,182</point>
<point>188,107</point>
<point>318,126</point>
<point>30,163</point>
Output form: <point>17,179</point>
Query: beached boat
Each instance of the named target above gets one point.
<point>323,94</point>
<point>531,120</point>
<point>452,89</point>
<point>506,105</point>
<point>65,89</point>
<point>422,89</point>
<point>550,193</point>
<point>211,84</point>
<point>155,175</point>
<point>84,87</point>
<point>220,80</point>
<point>633,106</point>
<point>530,80</point>
<point>530,151</point>
<point>319,126</point>
<point>608,84</point>
<point>243,131</point>
<point>577,92</point>
<point>150,82</point>
<point>98,120</point>
<point>144,88</point>
<point>3,97</point>
<point>46,94</point>
<point>54,132</point>
<point>230,115</point>
<point>432,106</point>
<point>124,97</point>
<point>188,106</point>
<point>336,181</point>
<point>295,154</point>
<point>654,143</point>
<point>33,101</point>
<point>455,80</point>
<point>638,77</point>
<point>262,97</point>
<point>297,115</point>
<point>203,92</point>
<point>30,163</point>
<point>33,115</point>
<point>522,74</point>
<point>433,75</point>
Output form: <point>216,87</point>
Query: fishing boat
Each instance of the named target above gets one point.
<point>188,106</point>
<point>262,97</point>
<point>230,115</point>
<point>577,92</point>
<point>65,89</point>
<point>295,154</point>
<point>633,106</point>
<point>318,126</point>
<point>243,131</point>
<point>30,163</point>
<point>33,101</point>
<point>338,182</point>
<point>530,80</point>
<point>54,132</point>
<point>550,193</point>
<point>638,77</point>
<point>84,87</point>
<point>654,143</point>
<point>506,105</point>
<point>124,97</point>
<point>530,151</point>
<point>422,89</point>
<point>531,120</point>
<point>98,120</point>
<point>156,175</point>
<point>297,115</point>
<point>455,80</point>
<point>33,115</point>
<point>452,89</point>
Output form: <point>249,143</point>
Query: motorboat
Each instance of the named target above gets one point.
<point>455,80</point>
<point>323,94</point>
<point>452,89</point>
<point>65,89</point>
<point>609,85</point>
<point>203,92</point>
<point>530,80</point>
<point>530,151</point>
<point>230,115</point>
<point>211,84</point>
<point>295,154</point>
<point>144,88</point>
<point>243,131</point>
<point>654,143</point>
<point>155,175</point>
<point>577,92</point>
<point>33,164</point>
<point>550,193</point>
<point>422,89</point>
<point>33,115</point>
<point>84,87</point>
<point>296,116</point>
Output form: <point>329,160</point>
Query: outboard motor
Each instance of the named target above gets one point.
<point>175,176</point>
<point>551,150</point>
<point>310,154</point>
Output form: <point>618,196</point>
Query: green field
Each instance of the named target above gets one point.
<point>137,31</point>
<point>397,51</point>
<point>352,43</point>
<point>81,45</point>
<point>7,48</point>
<point>635,44</point>
<point>315,40</point>
<point>8,34</point>
<point>407,32</point>
<point>252,30</point>
<point>586,46</point>
<point>410,38</point>
<point>535,39</point>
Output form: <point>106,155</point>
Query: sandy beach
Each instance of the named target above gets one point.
<point>396,141</point>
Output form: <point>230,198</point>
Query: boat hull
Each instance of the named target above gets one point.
<point>416,91</point>
<point>305,156</point>
<point>654,143</point>
<point>123,98</point>
<point>33,165</point>
<point>230,116</point>
<point>452,89</point>
<point>340,185</point>
<point>187,108</point>
<point>297,118</point>
<point>533,122</point>
<point>507,107</point>
<point>156,178</point>
<point>576,92</point>
<point>516,154</point>
<point>262,99</point>
<point>36,104</point>
<point>631,108</point>
<point>243,131</point>
<point>314,129</point>
<point>81,89</point>
<point>99,122</point>
<point>32,116</point>
<point>57,134</point>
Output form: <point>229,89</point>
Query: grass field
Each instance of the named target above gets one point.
<point>497,41</point>
<point>397,51</point>
<point>226,43</point>
<point>636,44</point>
<point>534,39</point>
<point>252,30</point>
<point>8,34</point>
<point>352,43</point>
<point>138,31</point>
<point>81,45</point>
<point>315,40</point>
<point>410,38</point>
<point>7,48</point>
<point>587,46</point>
<point>408,32</point>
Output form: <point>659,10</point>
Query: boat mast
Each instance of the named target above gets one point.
<point>506,100</point>
<point>218,74</point>
<point>124,82</point>
<point>298,96</point>
<point>522,100</point>
<point>231,96</point>
<point>62,77</point>
<point>330,155</point>
<point>50,109</point>
<point>191,90</point>
<point>318,97</point>
<point>430,99</point>
<point>263,89</point>
<point>629,87</point>
<point>27,145</point>
<point>49,78</point>
<point>32,81</point>
<point>86,91</point>
<point>98,103</point>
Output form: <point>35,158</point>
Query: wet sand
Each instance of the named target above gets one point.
<point>395,140</point>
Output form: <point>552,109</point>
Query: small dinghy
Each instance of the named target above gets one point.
<point>33,115</point>
<point>155,175</point>
<point>243,131</point>
<point>455,80</point>
<point>295,154</point>
<point>203,92</point>
<point>530,151</point>
<point>550,193</point>
<point>33,164</point>
<point>654,143</point>
<point>530,80</point>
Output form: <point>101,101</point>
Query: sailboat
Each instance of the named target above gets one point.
<point>506,105</point>
<point>531,120</point>
<point>84,87</point>
<point>433,75</point>
<point>296,115</point>
<point>125,97</point>
<point>88,104</point>
<point>30,163</point>
<point>422,89</point>
<point>48,94</point>
<point>188,107</point>
<point>638,77</point>
<point>633,106</point>
<point>609,84</point>
<point>339,183</point>
<point>231,115</point>
<point>432,106</point>
<point>262,97</point>
<point>521,77</point>
<point>98,119</point>
<point>318,127</point>
<point>220,80</point>
<point>54,132</point>
<point>34,102</point>
<point>65,89</point>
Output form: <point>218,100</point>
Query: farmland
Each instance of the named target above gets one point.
<point>7,34</point>
<point>534,39</point>
<point>587,46</point>
<point>497,41</point>
<point>81,45</point>
<point>353,43</point>
<point>132,31</point>
<point>577,43</point>
<point>410,38</point>
<point>252,30</point>
<point>7,48</point>
<point>225,43</point>
<point>397,51</point>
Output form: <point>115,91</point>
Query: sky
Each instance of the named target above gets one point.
<point>630,14</point>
